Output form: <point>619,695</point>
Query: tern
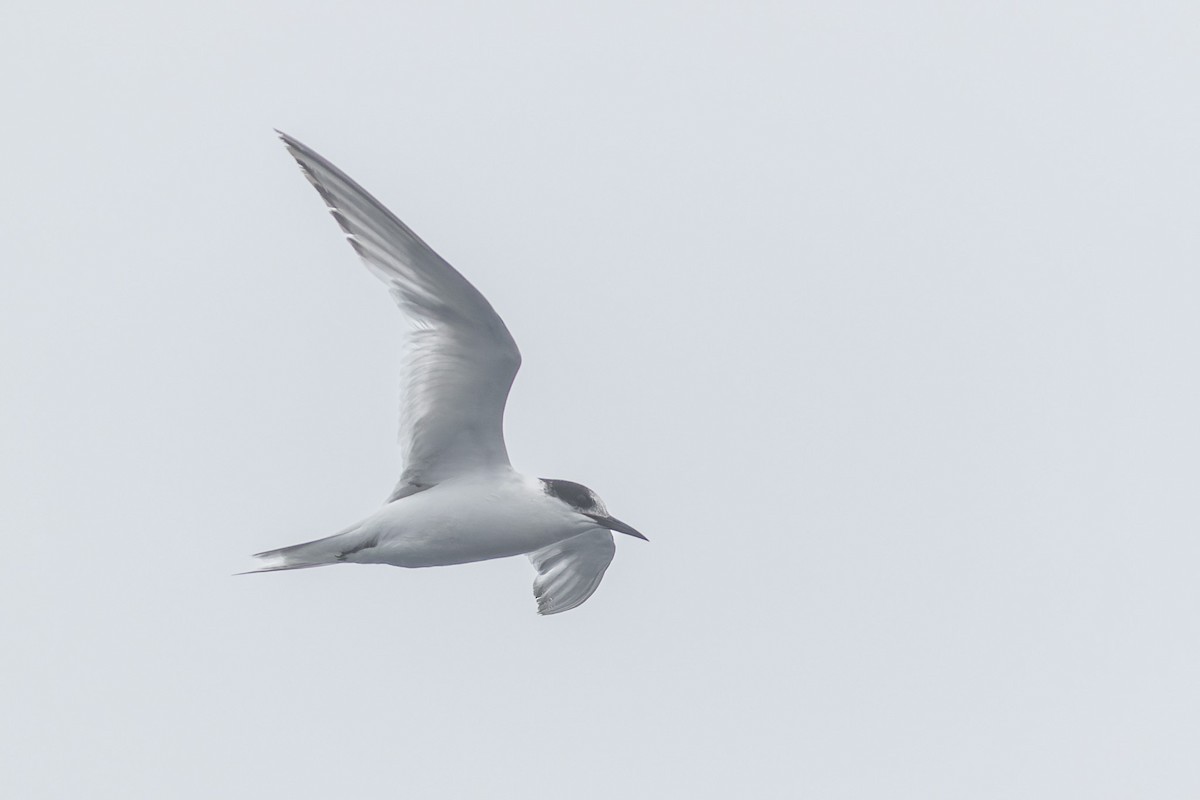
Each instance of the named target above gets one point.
<point>459,499</point>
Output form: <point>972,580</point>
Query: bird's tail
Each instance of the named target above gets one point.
<point>317,553</point>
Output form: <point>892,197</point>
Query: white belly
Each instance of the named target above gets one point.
<point>473,518</point>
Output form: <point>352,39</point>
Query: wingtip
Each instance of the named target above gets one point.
<point>546,607</point>
<point>294,146</point>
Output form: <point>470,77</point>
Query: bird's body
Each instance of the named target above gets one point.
<point>494,514</point>
<point>474,517</point>
<point>458,500</point>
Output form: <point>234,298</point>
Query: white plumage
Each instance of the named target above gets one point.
<point>458,498</point>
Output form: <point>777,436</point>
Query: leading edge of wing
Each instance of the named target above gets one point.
<point>423,283</point>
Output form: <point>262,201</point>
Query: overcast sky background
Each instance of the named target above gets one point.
<point>879,319</point>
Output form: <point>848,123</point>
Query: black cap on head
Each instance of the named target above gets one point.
<point>585,501</point>
<point>576,495</point>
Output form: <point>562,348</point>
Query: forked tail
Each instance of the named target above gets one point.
<point>317,553</point>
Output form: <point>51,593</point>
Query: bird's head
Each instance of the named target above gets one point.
<point>584,501</point>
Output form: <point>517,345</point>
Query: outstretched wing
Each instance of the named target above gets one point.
<point>460,359</point>
<point>570,570</point>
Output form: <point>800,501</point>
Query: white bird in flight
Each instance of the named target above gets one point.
<point>458,499</point>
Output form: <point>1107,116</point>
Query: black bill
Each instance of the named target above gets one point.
<point>614,524</point>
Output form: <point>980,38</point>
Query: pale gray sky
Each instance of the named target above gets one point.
<point>880,319</point>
